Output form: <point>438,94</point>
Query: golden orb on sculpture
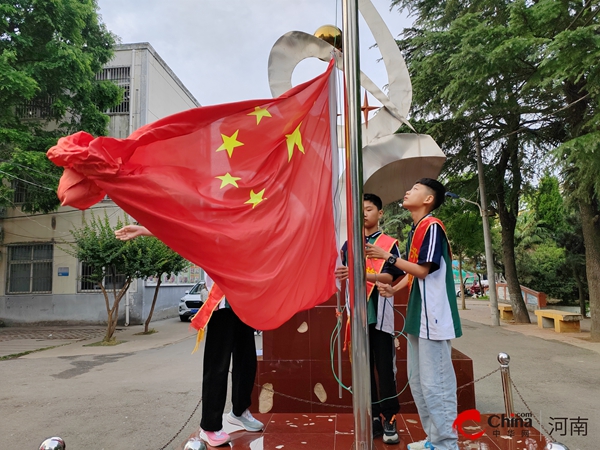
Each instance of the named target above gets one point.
<point>330,34</point>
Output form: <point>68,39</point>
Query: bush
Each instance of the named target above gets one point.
<point>544,268</point>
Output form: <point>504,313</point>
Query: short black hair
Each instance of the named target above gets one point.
<point>373,199</point>
<point>439,190</point>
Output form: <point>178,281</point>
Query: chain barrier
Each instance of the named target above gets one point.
<point>184,425</point>
<point>464,385</point>
<point>312,402</point>
<point>548,436</point>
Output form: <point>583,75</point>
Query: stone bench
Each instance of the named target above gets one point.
<point>505,312</point>
<point>562,321</point>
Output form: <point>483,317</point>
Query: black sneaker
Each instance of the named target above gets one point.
<point>377,427</point>
<point>390,433</point>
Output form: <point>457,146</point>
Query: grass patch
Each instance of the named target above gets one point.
<point>110,343</point>
<point>144,333</point>
<point>18,355</point>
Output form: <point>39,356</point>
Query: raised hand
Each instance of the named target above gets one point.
<point>372,251</point>
<point>131,231</point>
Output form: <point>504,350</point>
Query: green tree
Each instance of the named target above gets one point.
<point>112,264</point>
<point>470,74</point>
<point>397,222</point>
<point>522,77</point>
<point>36,178</point>
<point>50,53</point>
<point>580,159</point>
<point>543,268</point>
<point>549,244</point>
<point>567,51</point>
<point>529,231</point>
<point>549,206</point>
<point>465,233</point>
<point>556,226</point>
<point>572,241</point>
<point>158,260</point>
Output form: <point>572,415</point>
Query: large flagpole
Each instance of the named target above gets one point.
<point>361,383</point>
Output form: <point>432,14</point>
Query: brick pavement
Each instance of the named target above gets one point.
<point>52,333</point>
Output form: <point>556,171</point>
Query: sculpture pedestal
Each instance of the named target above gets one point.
<point>296,360</point>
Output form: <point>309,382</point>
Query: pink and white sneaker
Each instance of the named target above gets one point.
<point>214,438</point>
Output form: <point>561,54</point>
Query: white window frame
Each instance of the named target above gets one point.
<point>96,288</point>
<point>34,273</point>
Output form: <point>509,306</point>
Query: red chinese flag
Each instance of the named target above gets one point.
<point>243,190</point>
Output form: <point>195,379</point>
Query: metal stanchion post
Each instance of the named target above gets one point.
<point>504,359</point>
<point>194,444</point>
<point>53,443</point>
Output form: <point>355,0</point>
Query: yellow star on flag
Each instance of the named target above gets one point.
<point>294,139</point>
<point>228,179</point>
<point>230,142</point>
<point>255,199</point>
<point>260,113</point>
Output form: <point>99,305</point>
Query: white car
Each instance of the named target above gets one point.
<point>192,301</point>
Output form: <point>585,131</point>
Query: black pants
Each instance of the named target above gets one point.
<point>381,346</point>
<point>226,335</point>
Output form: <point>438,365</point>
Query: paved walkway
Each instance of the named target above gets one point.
<point>90,393</point>
<point>69,341</point>
<point>479,311</point>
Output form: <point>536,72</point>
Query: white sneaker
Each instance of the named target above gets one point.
<point>421,445</point>
<point>246,421</point>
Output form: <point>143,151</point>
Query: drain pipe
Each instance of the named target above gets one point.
<point>127,294</point>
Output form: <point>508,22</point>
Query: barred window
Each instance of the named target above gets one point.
<point>86,285</point>
<point>36,108</point>
<point>30,269</point>
<point>20,191</point>
<point>121,77</point>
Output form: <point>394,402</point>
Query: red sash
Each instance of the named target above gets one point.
<point>201,318</point>
<point>417,242</point>
<point>386,243</point>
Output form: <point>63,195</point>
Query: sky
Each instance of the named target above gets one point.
<point>219,49</point>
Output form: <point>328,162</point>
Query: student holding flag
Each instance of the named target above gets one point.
<point>226,337</point>
<point>432,319</point>
<point>380,317</point>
